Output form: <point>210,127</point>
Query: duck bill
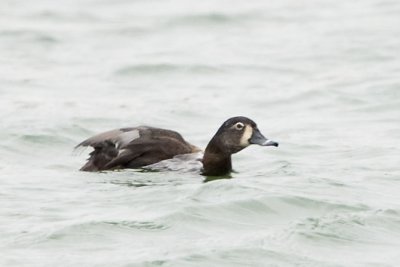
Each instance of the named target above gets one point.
<point>258,139</point>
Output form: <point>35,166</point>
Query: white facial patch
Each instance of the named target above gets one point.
<point>248,132</point>
<point>127,137</point>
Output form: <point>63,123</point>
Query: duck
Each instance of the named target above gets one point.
<point>137,147</point>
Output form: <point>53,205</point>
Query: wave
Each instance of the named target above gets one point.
<point>31,36</point>
<point>207,19</point>
<point>166,68</point>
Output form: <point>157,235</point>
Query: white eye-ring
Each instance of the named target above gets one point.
<point>239,126</point>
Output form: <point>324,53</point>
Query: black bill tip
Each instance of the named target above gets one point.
<point>259,139</point>
<point>270,143</point>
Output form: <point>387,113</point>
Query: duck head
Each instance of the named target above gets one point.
<point>234,135</point>
<point>238,133</point>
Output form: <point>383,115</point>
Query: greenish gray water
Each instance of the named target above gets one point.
<point>320,77</point>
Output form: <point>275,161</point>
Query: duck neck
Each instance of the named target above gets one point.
<point>215,161</point>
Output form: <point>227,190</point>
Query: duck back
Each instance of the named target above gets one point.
<point>133,148</point>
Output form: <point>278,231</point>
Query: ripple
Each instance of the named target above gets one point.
<point>44,139</point>
<point>138,225</point>
<point>166,68</point>
<point>103,228</point>
<point>226,212</point>
<point>32,36</point>
<point>241,257</point>
<point>207,19</point>
<point>368,227</point>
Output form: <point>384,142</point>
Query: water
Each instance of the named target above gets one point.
<point>320,77</point>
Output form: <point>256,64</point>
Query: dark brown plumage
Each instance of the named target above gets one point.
<point>134,148</point>
<point>141,146</point>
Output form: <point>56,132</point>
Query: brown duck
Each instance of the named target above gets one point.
<point>137,147</point>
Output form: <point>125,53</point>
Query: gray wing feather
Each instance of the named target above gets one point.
<point>120,137</point>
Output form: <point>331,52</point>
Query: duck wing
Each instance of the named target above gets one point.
<point>133,148</point>
<point>118,137</point>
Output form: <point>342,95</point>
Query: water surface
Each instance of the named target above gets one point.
<point>320,77</point>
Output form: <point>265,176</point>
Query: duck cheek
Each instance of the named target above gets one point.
<point>247,133</point>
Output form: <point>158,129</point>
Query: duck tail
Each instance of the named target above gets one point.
<point>102,154</point>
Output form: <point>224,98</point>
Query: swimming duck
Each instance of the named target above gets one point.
<point>141,146</point>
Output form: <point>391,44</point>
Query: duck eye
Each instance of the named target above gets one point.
<point>239,126</point>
